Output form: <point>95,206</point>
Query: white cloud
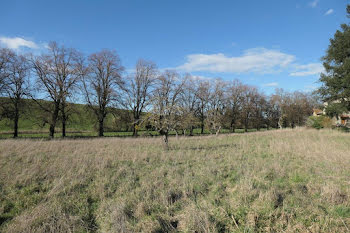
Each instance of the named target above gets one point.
<point>314,3</point>
<point>258,60</point>
<point>308,69</point>
<point>330,11</point>
<point>200,77</point>
<point>274,84</point>
<point>310,88</point>
<point>17,42</point>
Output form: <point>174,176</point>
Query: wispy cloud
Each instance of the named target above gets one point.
<point>330,11</point>
<point>314,3</point>
<point>274,84</point>
<point>257,60</point>
<point>308,69</point>
<point>200,77</point>
<point>310,88</point>
<point>17,42</point>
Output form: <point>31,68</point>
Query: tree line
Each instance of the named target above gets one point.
<point>163,100</point>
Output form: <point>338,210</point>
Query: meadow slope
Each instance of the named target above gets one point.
<point>281,180</point>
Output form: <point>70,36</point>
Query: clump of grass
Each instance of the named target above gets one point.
<point>283,180</point>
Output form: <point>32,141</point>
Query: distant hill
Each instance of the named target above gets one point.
<point>81,118</point>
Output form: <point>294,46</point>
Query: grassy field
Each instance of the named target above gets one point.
<point>281,180</point>
<point>42,134</point>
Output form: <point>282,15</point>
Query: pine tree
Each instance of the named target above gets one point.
<point>336,79</point>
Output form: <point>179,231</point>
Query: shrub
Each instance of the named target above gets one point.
<point>319,122</point>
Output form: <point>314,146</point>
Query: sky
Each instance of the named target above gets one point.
<point>268,44</point>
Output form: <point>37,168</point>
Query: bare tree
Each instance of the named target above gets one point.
<point>189,104</point>
<point>203,94</point>
<point>217,106</point>
<point>57,73</point>
<point>295,107</point>
<point>165,104</point>
<point>273,111</point>
<point>234,103</point>
<point>17,85</point>
<point>101,84</point>
<point>249,97</point>
<point>6,57</point>
<point>138,90</point>
<point>259,106</point>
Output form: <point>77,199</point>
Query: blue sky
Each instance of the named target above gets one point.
<point>269,44</point>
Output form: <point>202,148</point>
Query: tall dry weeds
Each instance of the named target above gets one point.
<point>285,180</point>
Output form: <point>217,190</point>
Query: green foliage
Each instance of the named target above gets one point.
<point>335,109</point>
<point>81,120</point>
<point>336,79</point>
<point>319,122</point>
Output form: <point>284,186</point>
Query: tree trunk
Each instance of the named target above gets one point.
<point>54,120</point>
<point>52,131</point>
<point>100,127</point>
<point>63,127</point>
<point>202,127</point>
<point>218,131</point>
<point>166,141</point>
<point>232,126</point>
<point>63,120</point>
<point>15,129</point>
<point>191,131</point>
<point>134,132</point>
<point>279,123</point>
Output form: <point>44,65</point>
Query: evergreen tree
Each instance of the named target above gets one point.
<point>336,79</point>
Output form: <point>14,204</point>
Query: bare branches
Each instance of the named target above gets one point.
<point>167,100</point>
<point>15,84</point>
<point>6,59</point>
<point>217,106</point>
<point>138,90</point>
<point>57,75</point>
<point>102,83</point>
<point>166,103</point>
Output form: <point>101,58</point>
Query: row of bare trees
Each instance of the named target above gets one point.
<point>166,101</point>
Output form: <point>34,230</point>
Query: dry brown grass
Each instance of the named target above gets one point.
<point>288,180</point>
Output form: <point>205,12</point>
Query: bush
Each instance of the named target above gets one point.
<point>319,122</point>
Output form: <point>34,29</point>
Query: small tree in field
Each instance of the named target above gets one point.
<point>166,104</point>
